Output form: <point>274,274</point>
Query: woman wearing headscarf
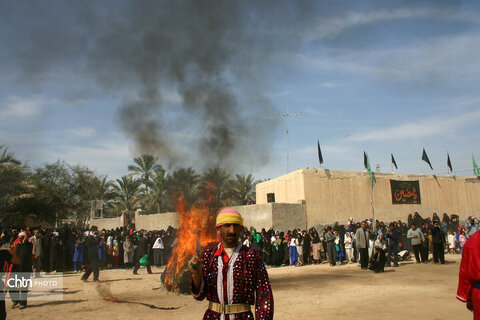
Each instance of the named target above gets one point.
<point>316,247</point>
<point>292,246</point>
<point>128,250</point>
<point>348,241</point>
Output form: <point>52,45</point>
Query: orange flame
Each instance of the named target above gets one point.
<point>199,218</point>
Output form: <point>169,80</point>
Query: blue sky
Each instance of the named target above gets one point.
<point>385,77</point>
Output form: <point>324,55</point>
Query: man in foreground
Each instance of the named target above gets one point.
<point>142,250</point>
<point>469,275</point>
<point>232,276</point>
<point>92,253</point>
<point>6,256</point>
<point>361,236</point>
<point>24,253</point>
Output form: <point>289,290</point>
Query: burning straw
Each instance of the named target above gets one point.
<point>177,276</point>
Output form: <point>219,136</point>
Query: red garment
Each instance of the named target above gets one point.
<point>476,304</point>
<point>470,273</point>
<point>250,285</point>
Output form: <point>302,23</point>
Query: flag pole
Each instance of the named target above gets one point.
<point>373,210</point>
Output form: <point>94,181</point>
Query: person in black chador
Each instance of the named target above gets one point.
<point>54,252</point>
<point>142,250</point>
<point>306,247</point>
<point>92,255</point>
<point>438,242</point>
<point>377,262</point>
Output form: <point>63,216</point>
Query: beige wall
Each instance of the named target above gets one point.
<point>156,221</point>
<point>288,216</point>
<point>287,188</point>
<point>107,223</point>
<point>280,216</point>
<point>333,195</point>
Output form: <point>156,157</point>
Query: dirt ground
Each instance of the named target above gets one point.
<point>411,291</point>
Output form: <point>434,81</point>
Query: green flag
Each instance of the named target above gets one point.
<point>476,169</point>
<point>366,163</point>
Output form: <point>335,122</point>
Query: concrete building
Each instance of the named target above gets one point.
<point>333,195</point>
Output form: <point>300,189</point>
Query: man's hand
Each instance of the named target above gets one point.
<point>194,266</point>
<point>469,305</point>
<point>415,236</point>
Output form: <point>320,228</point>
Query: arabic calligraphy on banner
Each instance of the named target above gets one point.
<point>405,192</point>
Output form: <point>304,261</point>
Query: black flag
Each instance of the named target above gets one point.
<point>320,157</point>
<point>449,163</point>
<point>425,158</point>
<point>394,162</point>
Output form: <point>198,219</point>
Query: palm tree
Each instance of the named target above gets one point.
<point>7,158</point>
<point>14,186</point>
<point>145,167</point>
<point>216,183</point>
<point>126,192</point>
<point>101,189</point>
<point>243,188</point>
<point>185,183</point>
<point>155,197</point>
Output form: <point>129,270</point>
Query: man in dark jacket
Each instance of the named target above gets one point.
<point>142,250</point>
<point>24,253</point>
<point>393,236</point>
<point>92,252</point>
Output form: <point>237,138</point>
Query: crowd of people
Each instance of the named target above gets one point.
<point>65,248</point>
<point>372,245</point>
<point>62,249</point>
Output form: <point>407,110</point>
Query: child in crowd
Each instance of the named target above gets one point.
<point>78,256</point>
<point>451,242</point>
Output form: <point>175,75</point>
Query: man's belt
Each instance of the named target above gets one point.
<point>476,285</point>
<point>228,308</point>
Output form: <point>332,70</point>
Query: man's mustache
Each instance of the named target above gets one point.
<point>231,234</point>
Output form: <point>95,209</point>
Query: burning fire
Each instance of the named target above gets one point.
<point>200,219</point>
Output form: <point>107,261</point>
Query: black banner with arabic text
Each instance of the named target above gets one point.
<point>405,192</point>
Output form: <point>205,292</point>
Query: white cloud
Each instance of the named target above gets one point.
<point>331,84</point>
<point>450,60</point>
<point>330,28</point>
<point>425,128</point>
<point>326,149</point>
<point>18,107</point>
<point>271,95</point>
<point>110,155</point>
<point>313,111</point>
<point>81,132</point>
<point>172,97</point>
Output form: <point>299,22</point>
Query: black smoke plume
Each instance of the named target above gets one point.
<point>190,72</point>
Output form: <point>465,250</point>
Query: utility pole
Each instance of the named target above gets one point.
<point>286,116</point>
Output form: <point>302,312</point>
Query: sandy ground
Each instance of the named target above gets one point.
<point>411,291</point>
